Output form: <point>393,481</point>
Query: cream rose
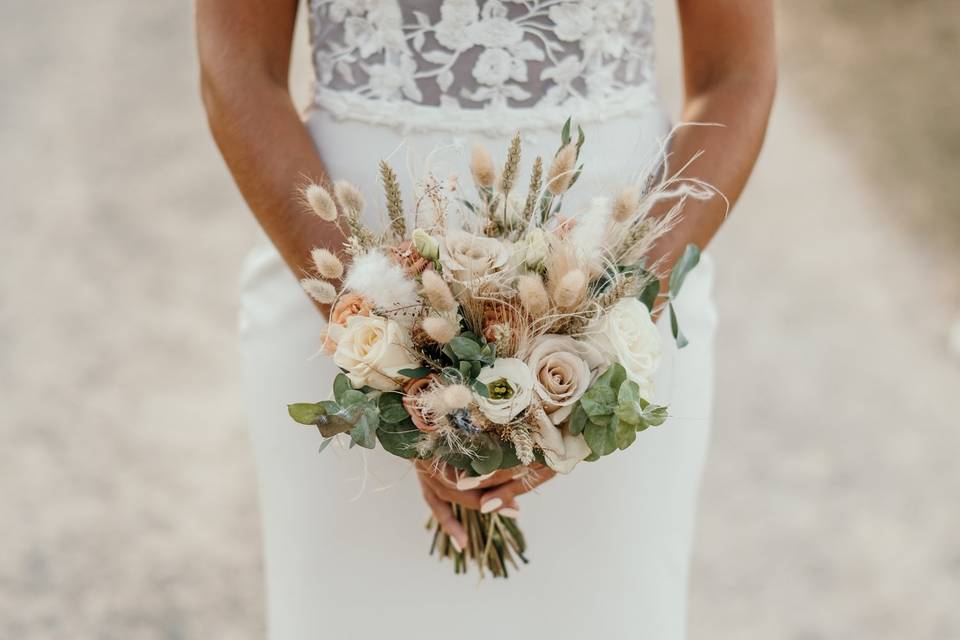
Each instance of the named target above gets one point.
<point>469,257</point>
<point>510,388</point>
<point>372,350</point>
<point>561,450</point>
<point>627,335</point>
<point>562,369</point>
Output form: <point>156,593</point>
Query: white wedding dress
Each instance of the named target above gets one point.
<point>346,553</point>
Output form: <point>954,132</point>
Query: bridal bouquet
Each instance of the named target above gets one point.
<point>484,329</point>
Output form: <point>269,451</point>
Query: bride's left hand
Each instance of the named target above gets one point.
<point>494,492</point>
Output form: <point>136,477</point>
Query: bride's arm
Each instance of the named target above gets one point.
<point>244,48</point>
<point>730,72</point>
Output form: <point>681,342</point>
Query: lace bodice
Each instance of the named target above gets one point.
<point>481,64</point>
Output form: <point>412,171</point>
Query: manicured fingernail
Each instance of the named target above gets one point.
<point>507,512</point>
<point>456,545</point>
<point>491,505</point>
<point>468,483</point>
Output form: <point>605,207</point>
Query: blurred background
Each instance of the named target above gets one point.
<point>129,508</point>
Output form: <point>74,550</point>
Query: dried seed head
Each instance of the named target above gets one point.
<point>570,289</point>
<point>455,397</point>
<point>481,166</point>
<point>626,204</point>
<point>327,264</point>
<point>439,329</point>
<point>349,197</point>
<point>437,292</point>
<point>533,295</point>
<point>320,202</point>
<point>320,290</point>
<point>561,171</point>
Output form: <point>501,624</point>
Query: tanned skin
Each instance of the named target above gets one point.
<point>244,47</point>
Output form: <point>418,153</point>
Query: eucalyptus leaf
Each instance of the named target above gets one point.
<point>341,384</point>
<point>624,433</point>
<point>678,336</point>
<point>489,456</point>
<point>325,444</point>
<point>599,400</point>
<point>510,458</point>
<point>481,389</point>
<point>613,377</point>
<point>364,433</point>
<point>578,420</point>
<point>655,415</point>
<point>416,374</point>
<point>465,348</point>
<point>352,397</point>
<point>686,263</point>
<point>648,296</point>
<point>400,439</point>
<point>601,440</point>
<point>391,408</point>
<point>306,412</point>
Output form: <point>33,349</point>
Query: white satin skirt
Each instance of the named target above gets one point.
<point>346,552</point>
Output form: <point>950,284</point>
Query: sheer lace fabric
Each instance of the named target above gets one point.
<point>460,64</point>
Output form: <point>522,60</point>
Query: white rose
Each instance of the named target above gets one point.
<point>627,335</point>
<point>372,350</point>
<point>469,257</point>
<point>510,388</point>
<point>562,369</point>
<point>561,450</point>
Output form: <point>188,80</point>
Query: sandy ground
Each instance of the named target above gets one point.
<point>128,499</point>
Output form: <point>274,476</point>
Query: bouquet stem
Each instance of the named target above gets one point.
<point>494,543</point>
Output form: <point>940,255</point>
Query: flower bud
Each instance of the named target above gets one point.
<point>426,245</point>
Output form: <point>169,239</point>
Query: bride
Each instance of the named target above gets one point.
<point>345,553</point>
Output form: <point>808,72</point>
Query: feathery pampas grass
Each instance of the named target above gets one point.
<point>375,277</point>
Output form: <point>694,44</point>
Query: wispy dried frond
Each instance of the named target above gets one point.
<point>533,191</point>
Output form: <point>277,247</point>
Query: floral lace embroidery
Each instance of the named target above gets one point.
<point>569,55</point>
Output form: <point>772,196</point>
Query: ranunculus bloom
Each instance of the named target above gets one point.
<point>511,389</point>
<point>469,257</point>
<point>373,350</point>
<point>348,305</point>
<point>628,336</point>
<point>411,390</point>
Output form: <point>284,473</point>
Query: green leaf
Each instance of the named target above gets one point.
<point>655,415</point>
<point>341,384</point>
<point>365,431</point>
<point>601,440</point>
<point>325,444</point>
<point>628,412</point>
<point>455,459</point>
<point>578,420</point>
<point>613,377</point>
<point>466,368</point>
<point>391,408</point>
<point>599,400</point>
<point>624,433</point>
<point>481,389</point>
<point>629,392</point>
<point>352,397</point>
<point>565,133</point>
<point>306,412</point>
<point>419,372</point>
<point>489,456</point>
<point>400,439</point>
<point>678,336</point>
<point>465,348</point>
<point>591,458</point>
<point>689,259</point>
<point>648,296</point>
<point>510,458</point>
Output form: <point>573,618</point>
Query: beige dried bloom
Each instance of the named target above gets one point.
<point>481,166</point>
<point>533,295</point>
<point>349,197</point>
<point>327,264</point>
<point>561,171</point>
<point>626,204</point>
<point>437,292</point>
<point>320,202</point>
<point>320,290</point>
<point>456,396</point>
<point>570,290</point>
<point>440,330</point>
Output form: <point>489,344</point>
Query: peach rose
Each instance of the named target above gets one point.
<point>349,305</point>
<point>411,391</point>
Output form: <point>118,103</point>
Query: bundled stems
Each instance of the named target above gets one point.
<point>495,543</point>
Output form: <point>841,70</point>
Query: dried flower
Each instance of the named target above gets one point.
<point>320,202</point>
<point>412,392</point>
<point>570,290</point>
<point>320,290</point>
<point>426,245</point>
<point>533,191</point>
<point>327,264</point>
<point>561,171</point>
<point>626,204</point>
<point>511,166</point>
<point>481,166</point>
<point>437,292</point>
<point>391,188</point>
<point>533,295</point>
<point>349,197</point>
<point>456,396</point>
<point>439,329</point>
